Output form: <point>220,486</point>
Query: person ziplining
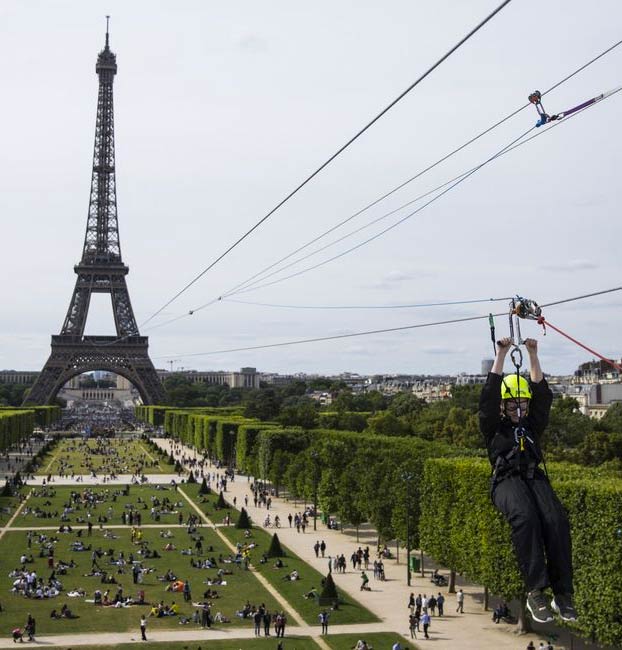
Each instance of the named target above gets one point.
<point>513,414</point>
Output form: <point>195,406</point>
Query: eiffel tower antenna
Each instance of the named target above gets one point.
<point>101,270</point>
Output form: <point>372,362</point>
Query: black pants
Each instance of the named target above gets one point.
<point>540,531</point>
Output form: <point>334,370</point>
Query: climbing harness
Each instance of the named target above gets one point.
<point>527,309</point>
<point>544,118</point>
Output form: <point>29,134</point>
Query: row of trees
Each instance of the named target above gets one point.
<point>15,426</point>
<point>434,493</point>
<point>461,529</point>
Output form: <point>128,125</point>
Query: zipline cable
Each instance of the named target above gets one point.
<point>380,331</point>
<point>459,178</point>
<point>329,160</point>
<point>411,306</point>
<point>425,170</point>
<point>260,284</point>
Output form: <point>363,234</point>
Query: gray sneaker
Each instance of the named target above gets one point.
<point>562,605</point>
<point>538,606</point>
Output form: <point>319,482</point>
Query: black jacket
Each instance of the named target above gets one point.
<point>499,431</point>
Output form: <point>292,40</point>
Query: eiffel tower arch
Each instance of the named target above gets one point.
<point>101,270</point>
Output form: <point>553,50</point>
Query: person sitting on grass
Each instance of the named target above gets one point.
<point>310,594</point>
<point>65,612</point>
<point>294,575</point>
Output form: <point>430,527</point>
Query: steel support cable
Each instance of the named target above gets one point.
<point>383,330</point>
<point>446,157</point>
<point>425,170</point>
<point>460,177</point>
<point>337,307</point>
<point>332,157</point>
<point>233,291</point>
<point>254,287</point>
<point>259,284</point>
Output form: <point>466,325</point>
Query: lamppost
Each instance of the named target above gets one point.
<point>315,457</point>
<point>407,477</point>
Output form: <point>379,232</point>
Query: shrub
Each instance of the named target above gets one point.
<point>275,550</point>
<point>204,489</point>
<point>329,590</point>
<point>244,521</point>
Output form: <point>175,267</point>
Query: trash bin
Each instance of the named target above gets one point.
<point>415,564</point>
<point>324,517</point>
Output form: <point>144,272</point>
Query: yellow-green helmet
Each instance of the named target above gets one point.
<point>513,387</point>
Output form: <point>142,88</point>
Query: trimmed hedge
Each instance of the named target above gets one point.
<point>44,415</point>
<point>461,529</point>
<point>15,425</point>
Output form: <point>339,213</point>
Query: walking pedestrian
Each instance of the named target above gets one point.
<point>258,619</point>
<point>460,601</point>
<point>323,548</point>
<point>425,620</point>
<point>323,616</point>
<point>413,624</point>
<point>440,602</point>
<point>143,628</point>
<point>316,548</point>
<point>30,627</point>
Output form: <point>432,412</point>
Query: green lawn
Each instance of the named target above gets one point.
<point>350,611</point>
<point>289,643</point>
<point>126,456</point>
<point>377,640</point>
<point>242,585</point>
<point>46,504</point>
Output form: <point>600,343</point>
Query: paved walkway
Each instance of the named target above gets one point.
<point>473,630</point>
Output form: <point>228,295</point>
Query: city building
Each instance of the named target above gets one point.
<point>245,378</point>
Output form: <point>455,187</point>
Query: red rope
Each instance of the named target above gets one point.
<point>543,322</point>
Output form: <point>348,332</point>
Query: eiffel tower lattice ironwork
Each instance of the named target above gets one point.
<point>100,270</point>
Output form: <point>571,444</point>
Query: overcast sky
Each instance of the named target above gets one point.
<point>221,109</point>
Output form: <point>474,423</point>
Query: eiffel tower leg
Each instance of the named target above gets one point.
<point>73,356</point>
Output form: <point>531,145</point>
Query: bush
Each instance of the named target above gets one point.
<point>275,549</point>
<point>244,521</point>
<point>329,591</point>
<point>221,503</point>
<point>191,478</point>
<point>204,489</point>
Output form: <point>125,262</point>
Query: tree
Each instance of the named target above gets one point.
<point>406,404</point>
<point>244,521</point>
<point>262,404</point>
<point>221,503</point>
<point>204,489</point>
<point>386,423</point>
<point>329,590</point>
<point>275,549</point>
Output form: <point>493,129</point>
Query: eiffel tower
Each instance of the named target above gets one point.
<point>101,270</point>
